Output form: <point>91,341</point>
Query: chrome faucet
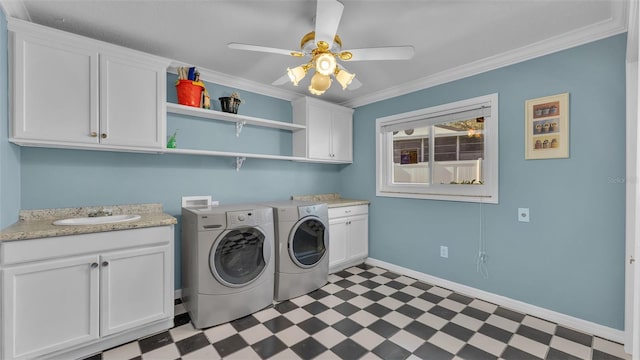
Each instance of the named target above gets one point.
<point>101,212</point>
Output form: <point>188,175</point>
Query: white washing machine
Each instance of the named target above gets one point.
<point>302,247</point>
<point>227,262</point>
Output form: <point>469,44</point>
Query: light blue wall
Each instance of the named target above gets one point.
<point>570,257</point>
<point>9,153</point>
<point>53,178</point>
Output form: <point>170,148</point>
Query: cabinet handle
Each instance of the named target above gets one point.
<point>94,265</point>
<point>103,135</point>
<point>105,263</point>
<point>94,134</point>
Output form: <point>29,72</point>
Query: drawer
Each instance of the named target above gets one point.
<point>20,251</point>
<point>348,211</point>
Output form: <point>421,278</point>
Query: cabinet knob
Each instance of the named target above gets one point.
<point>94,134</point>
<point>94,265</point>
<point>105,263</point>
<point>103,135</point>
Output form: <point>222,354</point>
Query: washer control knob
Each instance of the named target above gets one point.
<point>241,218</point>
<point>308,210</point>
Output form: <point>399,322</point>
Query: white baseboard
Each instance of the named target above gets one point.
<point>602,331</point>
<point>177,294</point>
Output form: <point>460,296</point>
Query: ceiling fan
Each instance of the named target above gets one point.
<point>324,47</point>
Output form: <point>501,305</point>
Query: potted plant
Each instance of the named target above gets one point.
<point>231,103</point>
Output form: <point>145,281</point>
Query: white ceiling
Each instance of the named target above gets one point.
<point>452,38</point>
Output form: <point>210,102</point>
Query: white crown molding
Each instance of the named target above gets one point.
<point>239,83</point>
<point>520,306</point>
<point>617,24</point>
<point>15,9</point>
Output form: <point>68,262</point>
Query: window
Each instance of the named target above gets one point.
<point>445,152</point>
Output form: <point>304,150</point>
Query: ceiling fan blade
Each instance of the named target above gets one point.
<point>281,80</point>
<point>382,53</point>
<point>328,14</point>
<point>259,48</point>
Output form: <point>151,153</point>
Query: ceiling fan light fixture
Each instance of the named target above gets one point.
<point>345,55</point>
<point>314,91</point>
<point>344,77</point>
<point>296,74</point>
<point>319,84</point>
<point>325,63</point>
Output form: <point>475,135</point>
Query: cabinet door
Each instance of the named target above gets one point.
<point>136,288</point>
<point>337,242</point>
<point>319,132</point>
<point>55,91</point>
<point>131,103</point>
<point>358,244</point>
<point>49,306</point>
<point>341,136</point>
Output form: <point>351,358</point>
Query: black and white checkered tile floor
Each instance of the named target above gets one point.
<point>370,313</point>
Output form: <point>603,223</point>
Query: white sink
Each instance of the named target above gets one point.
<point>97,220</point>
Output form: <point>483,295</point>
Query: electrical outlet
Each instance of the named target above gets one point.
<point>523,214</point>
<point>444,251</point>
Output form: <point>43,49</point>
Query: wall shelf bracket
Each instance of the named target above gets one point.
<point>239,126</point>
<point>239,161</point>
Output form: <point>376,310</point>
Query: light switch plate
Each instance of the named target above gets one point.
<point>444,251</point>
<point>523,214</point>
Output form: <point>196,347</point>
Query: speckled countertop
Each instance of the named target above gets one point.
<point>332,200</point>
<point>34,224</point>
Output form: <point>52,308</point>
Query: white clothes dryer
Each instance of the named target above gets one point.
<point>302,247</point>
<point>227,262</point>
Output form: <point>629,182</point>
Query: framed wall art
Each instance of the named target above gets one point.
<point>547,127</point>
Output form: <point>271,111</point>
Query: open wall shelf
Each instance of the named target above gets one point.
<point>223,116</point>
<point>240,121</point>
<point>240,157</point>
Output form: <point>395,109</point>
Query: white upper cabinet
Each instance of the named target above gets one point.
<point>328,135</point>
<point>74,92</point>
<point>54,95</point>
<point>132,105</point>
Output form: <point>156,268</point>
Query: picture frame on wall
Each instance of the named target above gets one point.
<point>547,127</point>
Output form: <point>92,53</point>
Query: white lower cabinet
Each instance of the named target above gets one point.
<point>50,306</point>
<point>348,236</point>
<point>129,301</point>
<point>71,296</point>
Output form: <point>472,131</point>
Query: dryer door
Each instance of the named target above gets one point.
<point>308,242</point>
<point>239,256</point>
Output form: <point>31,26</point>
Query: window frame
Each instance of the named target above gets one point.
<point>484,193</point>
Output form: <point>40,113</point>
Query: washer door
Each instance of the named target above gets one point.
<point>239,256</point>
<point>308,242</point>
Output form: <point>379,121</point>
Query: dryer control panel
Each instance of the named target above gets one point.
<point>241,218</point>
<point>317,210</point>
